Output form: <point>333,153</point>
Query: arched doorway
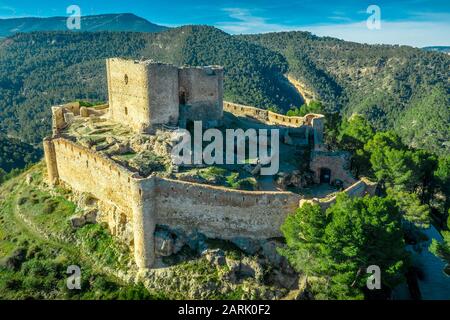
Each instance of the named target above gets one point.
<point>325,175</point>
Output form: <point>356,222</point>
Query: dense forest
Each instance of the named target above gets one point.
<point>15,154</point>
<point>38,70</point>
<point>395,87</point>
<point>388,84</point>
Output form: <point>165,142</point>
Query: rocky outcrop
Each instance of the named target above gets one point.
<point>89,217</point>
<point>296,179</point>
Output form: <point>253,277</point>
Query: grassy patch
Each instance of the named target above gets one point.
<point>50,213</point>
<point>34,268</point>
<point>126,156</point>
<point>99,243</point>
<point>234,181</point>
<point>147,162</point>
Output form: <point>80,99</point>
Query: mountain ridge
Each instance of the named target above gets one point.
<point>444,49</point>
<point>103,22</point>
<point>39,69</point>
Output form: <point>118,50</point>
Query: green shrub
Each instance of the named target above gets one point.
<point>49,206</point>
<point>22,201</point>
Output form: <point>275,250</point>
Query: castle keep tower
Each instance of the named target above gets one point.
<point>143,94</point>
<point>201,94</point>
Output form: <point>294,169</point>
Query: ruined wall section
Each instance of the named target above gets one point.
<point>201,93</point>
<point>358,189</point>
<point>337,162</point>
<point>221,212</point>
<point>86,171</point>
<point>273,118</point>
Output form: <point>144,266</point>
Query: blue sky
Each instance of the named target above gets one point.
<point>414,22</point>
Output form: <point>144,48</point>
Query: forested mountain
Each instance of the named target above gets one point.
<point>392,85</point>
<point>15,154</point>
<point>38,70</point>
<point>104,22</point>
<point>382,82</point>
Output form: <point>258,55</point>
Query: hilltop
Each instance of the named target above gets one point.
<point>443,49</point>
<point>104,22</point>
<point>38,243</point>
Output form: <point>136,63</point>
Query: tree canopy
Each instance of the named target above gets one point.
<point>341,243</point>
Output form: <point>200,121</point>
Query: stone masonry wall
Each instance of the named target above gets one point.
<point>279,119</point>
<point>337,162</point>
<point>241,110</point>
<point>358,189</point>
<point>268,116</point>
<point>215,211</point>
<point>142,93</point>
<point>201,88</point>
<point>86,171</point>
<point>163,85</point>
<point>221,212</point>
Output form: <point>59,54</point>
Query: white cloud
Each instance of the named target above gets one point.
<point>418,34</point>
<point>245,22</point>
<point>415,33</point>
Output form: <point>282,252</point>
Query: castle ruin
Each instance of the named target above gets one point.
<point>144,94</point>
<point>90,147</point>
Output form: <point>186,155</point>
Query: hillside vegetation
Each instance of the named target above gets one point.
<point>381,82</point>
<point>387,84</point>
<point>38,70</point>
<point>38,243</point>
<point>15,154</point>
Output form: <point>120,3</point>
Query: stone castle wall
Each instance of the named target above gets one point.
<point>358,189</point>
<point>279,119</point>
<point>143,203</point>
<point>337,162</point>
<point>87,171</point>
<point>221,212</point>
<point>241,110</point>
<point>273,118</point>
<point>201,93</point>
